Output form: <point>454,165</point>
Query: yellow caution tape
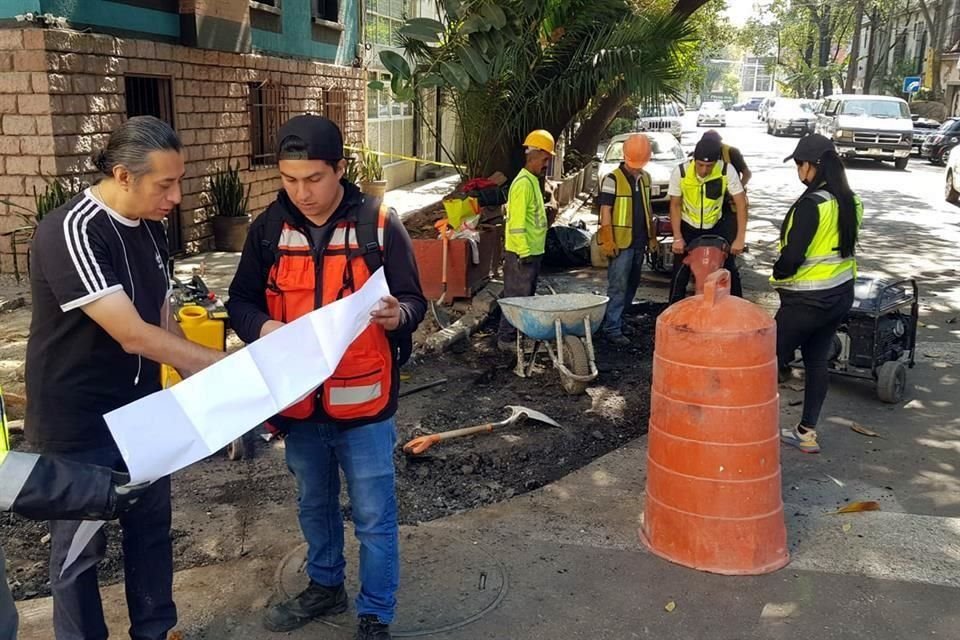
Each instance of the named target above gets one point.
<point>408,158</point>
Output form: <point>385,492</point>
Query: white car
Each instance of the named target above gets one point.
<point>712,113</point>
<point>661,117</point>
<point>791,116</point>
<point>952,189</point>
<point>666,154</point>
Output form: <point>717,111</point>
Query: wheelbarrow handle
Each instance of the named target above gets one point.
<point>419,445</point>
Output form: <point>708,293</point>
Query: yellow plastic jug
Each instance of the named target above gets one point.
<point>198,327</point>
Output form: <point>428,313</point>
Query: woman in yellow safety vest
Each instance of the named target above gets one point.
<point>815,275</point>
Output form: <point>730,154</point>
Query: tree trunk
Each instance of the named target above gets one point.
<point>823,57</point>
<point>869,71</point>
<point>591,131</point>
<point>935,25</point>
<point>854,56</point>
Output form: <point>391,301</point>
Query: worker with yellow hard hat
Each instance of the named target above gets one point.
<point>526,228</point>
<point>626,230</point>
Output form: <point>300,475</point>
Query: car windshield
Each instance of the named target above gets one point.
<point>659,111</point>
<point>712,106</point>
<point>790,104</point>
<point>875,108</point>
<point>949,125</point>
<point>661,147</point>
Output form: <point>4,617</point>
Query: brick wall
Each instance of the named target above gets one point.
<point>66,93</point>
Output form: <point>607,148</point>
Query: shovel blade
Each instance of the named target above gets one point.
<point>533,415</point>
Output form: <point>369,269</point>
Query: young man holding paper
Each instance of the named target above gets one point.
<point>318,242</point>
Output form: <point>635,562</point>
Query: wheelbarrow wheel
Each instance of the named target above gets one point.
<point>574,358</point>
<point>891,381</point>
<point>240,449</point>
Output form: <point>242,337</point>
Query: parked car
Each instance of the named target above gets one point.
<point>681,108</point>
<point>791,116</point>
<point>923,128</point>
<point>666,154</point>
<point>661,117</point>
<point>748,105</point>
<point>936,148</point>
<point>952,189</point>
<point>712,113</point>
<point>865,126</point>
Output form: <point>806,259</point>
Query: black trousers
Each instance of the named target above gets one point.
<point>147,565</point>
<point>519,279</point>
<point>810,328</point>
<point>727,229</point>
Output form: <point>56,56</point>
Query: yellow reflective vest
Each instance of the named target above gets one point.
<point>526,224</point>
<point>623,208</point>
<point>823,266</point>
<point>4,434</point>
<point>703,199</point>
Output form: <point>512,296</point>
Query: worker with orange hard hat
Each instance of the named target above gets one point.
<point>626,230</point>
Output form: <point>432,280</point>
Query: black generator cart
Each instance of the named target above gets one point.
<point>878,339</point>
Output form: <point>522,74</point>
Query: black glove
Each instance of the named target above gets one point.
<point>123,495</point>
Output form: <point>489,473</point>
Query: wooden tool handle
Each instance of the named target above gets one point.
<point>419,445</point>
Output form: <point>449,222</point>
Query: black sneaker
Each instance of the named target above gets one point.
<point>313,602</point>
<point>370,628</point>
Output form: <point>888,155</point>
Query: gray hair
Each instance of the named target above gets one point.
<point>130,145</point>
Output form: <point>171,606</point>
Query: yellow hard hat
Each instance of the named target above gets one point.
<point>540,139</point>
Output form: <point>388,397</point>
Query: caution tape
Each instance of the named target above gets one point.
<point>408,158</point>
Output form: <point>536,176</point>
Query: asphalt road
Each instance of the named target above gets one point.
<point>908,230</point>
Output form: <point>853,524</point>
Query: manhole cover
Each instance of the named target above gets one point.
<point>445,582</point>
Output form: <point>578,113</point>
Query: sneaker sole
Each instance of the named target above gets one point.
<point>796,445</point>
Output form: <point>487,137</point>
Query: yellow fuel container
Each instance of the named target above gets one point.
<point>198,327</point>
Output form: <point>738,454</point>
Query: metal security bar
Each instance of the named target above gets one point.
<point>268,110</point>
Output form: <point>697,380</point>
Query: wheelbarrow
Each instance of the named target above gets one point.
<point>570,319</point>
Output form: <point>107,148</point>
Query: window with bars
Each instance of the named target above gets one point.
<point>389,123</point>
<point>384,17</point>
<point>335,107</point>
<point>328,10</point>
<point>268,110</point>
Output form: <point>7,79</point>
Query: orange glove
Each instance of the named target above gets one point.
<point>608,245</point>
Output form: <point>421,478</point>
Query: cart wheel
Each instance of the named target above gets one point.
<point>575,359</point>
<point>239,449</point>
<point>891,381</point>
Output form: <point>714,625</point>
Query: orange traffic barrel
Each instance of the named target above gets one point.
<point>713,498</point>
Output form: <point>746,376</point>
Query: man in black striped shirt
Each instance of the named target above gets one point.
<point>101,325</point>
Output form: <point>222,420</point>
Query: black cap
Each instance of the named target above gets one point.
<point>811,148</point>
<point>321,136</point>
<point>711,135</point>
<point>708,149</point>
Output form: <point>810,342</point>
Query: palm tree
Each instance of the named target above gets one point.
<point>509,66</point>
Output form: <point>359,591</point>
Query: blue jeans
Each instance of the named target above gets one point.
<point>623,278</point>
<point>315,454</point>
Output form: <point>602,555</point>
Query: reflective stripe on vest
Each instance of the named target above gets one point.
<point>15,468</point>
<point>823,266</point>
<point>360,386</point>
<point>623,208</point>
<point>698,210</point>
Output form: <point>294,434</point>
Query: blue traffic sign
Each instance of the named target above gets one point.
<point>911,84</point>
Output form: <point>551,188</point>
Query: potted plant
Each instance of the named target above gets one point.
<point>352,173</point>
<point>228,199</point>
<point>371,175</point>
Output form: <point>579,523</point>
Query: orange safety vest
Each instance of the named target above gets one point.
<point>360,386</point>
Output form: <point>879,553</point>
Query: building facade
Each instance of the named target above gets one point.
<point>901,47</point>
<point>224,73</point>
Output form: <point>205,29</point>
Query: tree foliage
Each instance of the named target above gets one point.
<point>509,66</point>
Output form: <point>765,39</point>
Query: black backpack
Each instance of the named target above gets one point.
<point>366,223</point>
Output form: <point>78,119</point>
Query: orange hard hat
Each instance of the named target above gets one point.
<point>636,151</point>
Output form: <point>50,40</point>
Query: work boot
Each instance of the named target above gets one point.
<point>617,338</point>
<point>370,628</point>
<point>313,602</point>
